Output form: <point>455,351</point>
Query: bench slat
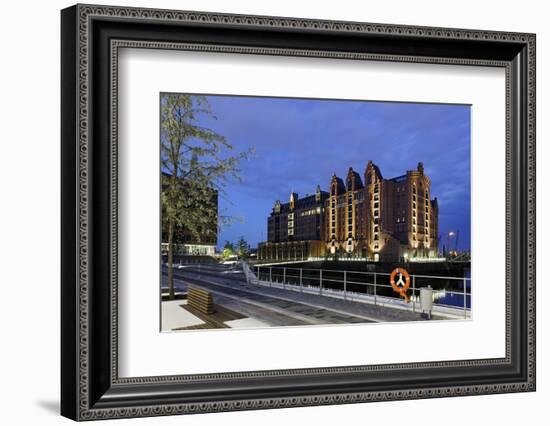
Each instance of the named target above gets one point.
<point>200,300</point>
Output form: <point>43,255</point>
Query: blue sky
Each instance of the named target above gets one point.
<point>300,143</point>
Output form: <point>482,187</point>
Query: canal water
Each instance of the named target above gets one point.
<point>458,299</point>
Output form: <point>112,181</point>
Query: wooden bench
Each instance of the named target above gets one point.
<point>201,300</point>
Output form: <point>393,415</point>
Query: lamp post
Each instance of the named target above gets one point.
<point>449,235</point>
<point>455,235</point>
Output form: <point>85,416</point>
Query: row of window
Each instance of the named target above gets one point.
<point>311,212</point>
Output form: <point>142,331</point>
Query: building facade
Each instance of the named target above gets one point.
<point>347,229</point>
<point>374,218</point>
<point>402,218</point>
<point>295,230</point>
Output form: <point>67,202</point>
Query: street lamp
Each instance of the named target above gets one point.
<point>449,235</point>
<point>455,235</point>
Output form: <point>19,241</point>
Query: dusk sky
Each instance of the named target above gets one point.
<point>300,143</point>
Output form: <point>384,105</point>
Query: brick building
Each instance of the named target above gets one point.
<point>374,218</point>
<point>295,230</point>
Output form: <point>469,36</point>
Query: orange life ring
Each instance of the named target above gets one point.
<point>402,290</point>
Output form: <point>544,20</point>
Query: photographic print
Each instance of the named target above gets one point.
<point>283,212</point>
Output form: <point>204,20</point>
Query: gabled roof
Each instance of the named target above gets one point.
<point>340,187</point>
<point>375,167</point>
<point>353,180</point>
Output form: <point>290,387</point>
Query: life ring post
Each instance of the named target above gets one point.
<point>401,285</point>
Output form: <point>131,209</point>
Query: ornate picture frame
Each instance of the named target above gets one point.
<point>91,37</point>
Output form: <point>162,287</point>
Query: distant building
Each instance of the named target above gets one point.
<point>187,243</point>
<point>295,230</point>
<point>375,218</point>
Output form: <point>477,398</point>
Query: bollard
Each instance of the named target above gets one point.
<point>345,285</point>
<point>413,299</point>
<point>375,289</point>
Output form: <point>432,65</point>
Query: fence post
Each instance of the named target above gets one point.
<point>270,277</point>
<point>464,291</point>
<point>259,275</point>
<point>345,285</point>
<point>320,281</point>
<point>301,289</point>
<point>414,305</point>
<point>375,289</point>
<point>284,277</point>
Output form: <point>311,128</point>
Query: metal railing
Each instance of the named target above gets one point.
<point>451,294</point>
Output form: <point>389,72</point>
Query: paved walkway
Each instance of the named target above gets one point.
<point>302,307</point>
<point>174,316</point>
